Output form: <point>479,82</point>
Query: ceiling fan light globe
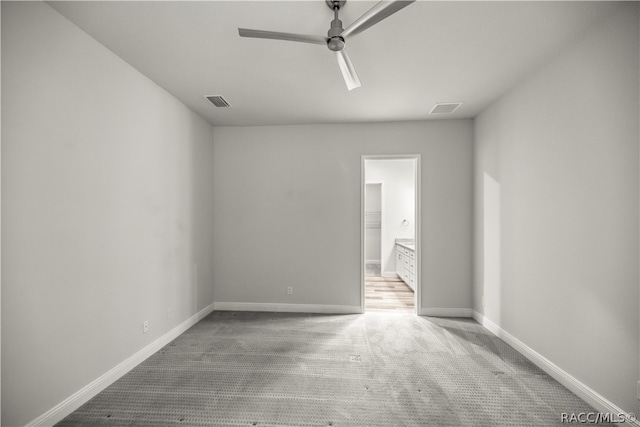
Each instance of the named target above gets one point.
<point>335,44</point>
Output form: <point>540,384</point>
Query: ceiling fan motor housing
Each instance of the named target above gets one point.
<point>335,42</point>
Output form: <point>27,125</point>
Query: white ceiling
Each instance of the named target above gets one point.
<point>428,52</point>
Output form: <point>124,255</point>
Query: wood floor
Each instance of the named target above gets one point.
<point>386,294</point>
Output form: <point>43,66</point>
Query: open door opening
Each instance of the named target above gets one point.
<point>390,234</point>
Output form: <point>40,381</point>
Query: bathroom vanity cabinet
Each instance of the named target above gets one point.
<point>406,264</point>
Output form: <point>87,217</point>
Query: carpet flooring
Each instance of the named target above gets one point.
<point>288,369</point>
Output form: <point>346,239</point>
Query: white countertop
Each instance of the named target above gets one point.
<point>410,246</point>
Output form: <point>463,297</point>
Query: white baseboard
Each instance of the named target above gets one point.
<point>390,274</point>
<point>288,308</point>
<point>446,312</point>
<point>79,398</point>
<point>580,389</point>
<point>372,261</point>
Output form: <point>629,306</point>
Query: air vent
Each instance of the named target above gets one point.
<point>445,108</point>
<point>218,101</point>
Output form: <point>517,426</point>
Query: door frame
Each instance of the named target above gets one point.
<point>418,220</point>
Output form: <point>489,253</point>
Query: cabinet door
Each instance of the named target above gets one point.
<point>412,266</point>
<point>400,258</point>
<point>411,269</point>
<point>407,266</point>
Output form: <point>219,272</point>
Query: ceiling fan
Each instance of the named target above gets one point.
<point>336,35</point>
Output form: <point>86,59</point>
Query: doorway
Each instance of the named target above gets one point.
<point>390,229</point>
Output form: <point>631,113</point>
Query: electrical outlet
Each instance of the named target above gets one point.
<point>145,326</point>
<point>289,290</point>
<point>169,313</point>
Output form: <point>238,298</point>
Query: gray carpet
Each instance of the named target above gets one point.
<point>286,369</point>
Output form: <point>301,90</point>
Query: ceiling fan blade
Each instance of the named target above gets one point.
<point>348,72</point>
<point>304,38</point>
<point>377,13</point>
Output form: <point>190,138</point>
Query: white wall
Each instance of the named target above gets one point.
<point>106,210</point>
<point>556,201</point>
<point>398,204</point>
<point>287,205</point>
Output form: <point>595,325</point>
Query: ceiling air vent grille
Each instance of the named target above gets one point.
<point>445,108</point>
<point>218,101</point>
